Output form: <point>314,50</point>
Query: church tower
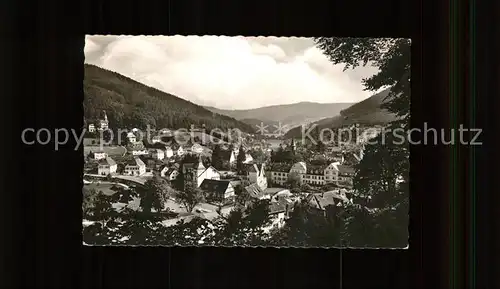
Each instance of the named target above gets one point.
<point>104,123</point>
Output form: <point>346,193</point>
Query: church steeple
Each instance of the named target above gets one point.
<point>201,166</point>
<point>105,116</point>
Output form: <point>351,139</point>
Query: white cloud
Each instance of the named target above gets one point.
<point>230,72</point>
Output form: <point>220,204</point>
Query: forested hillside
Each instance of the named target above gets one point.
<point>129,103</point>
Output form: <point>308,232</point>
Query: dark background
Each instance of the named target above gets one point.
<point>42,61</point>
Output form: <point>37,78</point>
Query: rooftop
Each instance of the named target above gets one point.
<point>343,169</point>
<point>280,167</point>
<point>215,186</point>
<point>254,191</point>
<point>107,161</point>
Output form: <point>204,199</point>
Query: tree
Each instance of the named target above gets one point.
<point>190,197</point>
<point>242,196</point>
<point>107,135</point>
<point>179,182</point>
<point>102,211</point>
<point>320,147</point>
<point>240,159</point>
<point>293,181</point>
<point>382,164</point>
<point>258,155</point>
<point>217,157</point>
<point>153,194</point>
<point>88,201</point>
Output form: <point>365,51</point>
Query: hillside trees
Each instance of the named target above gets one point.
<point>384,163</point>
<point>131,104</point>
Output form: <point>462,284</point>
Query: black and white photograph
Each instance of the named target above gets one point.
<point>246,141</point>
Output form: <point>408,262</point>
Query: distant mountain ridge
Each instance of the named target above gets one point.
<point>368,112</point>
<point>287,114</point>
<point>129,104</point>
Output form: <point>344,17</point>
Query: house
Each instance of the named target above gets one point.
<point>278,173</point>
<point>178,150</point>
<point>275,194</point>
<point>100,155</point>
<point>345,175</point>
<point>198,173</point>
<point>309,174</point>
<point>331,172</point>
<point>106,166</point>
<point>315,175</point>
<point>156,139</point>
<point>135,167</point>
<point>170,173</point>
<point>91,127</point>
<point>257,175</point>
<point>197,148</point>
<point>256,192</point>
<point>169,152</point>
<point>157,154</point>
<point>319,202</point>
<point>299,168</point>
<point>131,137</point>
<point>218,190</point>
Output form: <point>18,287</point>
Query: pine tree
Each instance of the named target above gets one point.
<point>217,157</point>
<point>240,159</point>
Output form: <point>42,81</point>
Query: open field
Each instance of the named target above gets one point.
<point>110,150</point>
<point>104,187</point>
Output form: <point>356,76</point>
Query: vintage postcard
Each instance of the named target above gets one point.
<point>246,141</point>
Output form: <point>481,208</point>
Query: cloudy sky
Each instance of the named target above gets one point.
<point>230,72</point>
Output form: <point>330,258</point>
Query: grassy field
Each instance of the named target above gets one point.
<point>110,150</point>
<point>105,188</point>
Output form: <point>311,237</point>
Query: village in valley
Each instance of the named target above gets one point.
<point>187,144</point>
<point>206,177</point>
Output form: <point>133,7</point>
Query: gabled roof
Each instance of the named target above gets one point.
<point>316,169</point>
<point>278,207</point>
<point>345,169</point>
<point>170,171</point>
<point>322,200</point>
<point>107,161</point>
<point>215,186</point>
<point>135,162</point>
<point>254,191</point>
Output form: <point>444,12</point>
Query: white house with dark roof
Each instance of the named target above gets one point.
<point>157,154</point>
<point>169,173</point>
<point>135,167</point>
<point>106,166</point>
<point>219,190</point>
<point>200,172</point>
<point>156,139</point>
<point>100,155</point>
